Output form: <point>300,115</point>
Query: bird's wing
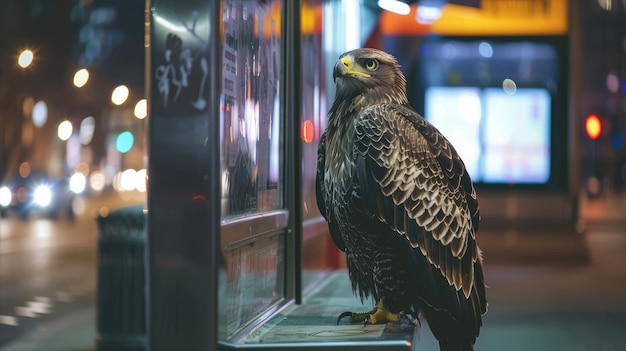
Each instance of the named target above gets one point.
<point>321,201</point>
<point>412,178</point>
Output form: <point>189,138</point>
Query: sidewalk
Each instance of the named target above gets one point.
<point>609,207</point>
<point>537,307</point>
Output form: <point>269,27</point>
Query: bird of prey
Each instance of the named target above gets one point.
<point>400,203</point>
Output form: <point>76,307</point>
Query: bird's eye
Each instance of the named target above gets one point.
<point>371,64</point>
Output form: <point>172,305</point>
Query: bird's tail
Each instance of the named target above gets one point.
<point>456,345</point>
<point>451,336</point>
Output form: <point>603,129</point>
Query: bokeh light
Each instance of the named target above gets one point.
<point>509,86</point>
<point>142,177</point>
<point>40,114</point>
<point>612,82</point>
<point>307,131</point>
<point>78,182</point>
<point>25,58</point>
<point>5,196</point>
<point>141,109</point>
<point>97,181</point>
<point>128,180</point>
<point>120,94</point>
<point>593,126</point>
<point>395,6</point>
<point>81,77</point>
<point>42,195</point>
<point>124,142</point>
<point>24,169</point>
<point>87,128</point>
<point>65,130</point>
<point>485,49</point>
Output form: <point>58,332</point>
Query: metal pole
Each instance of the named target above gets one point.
<point>293,158</point>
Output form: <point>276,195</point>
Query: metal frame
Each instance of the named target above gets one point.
<point>291,115</point>
<point>185,320</point>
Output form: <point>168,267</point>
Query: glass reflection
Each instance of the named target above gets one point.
<point>250,107</point>
<point>250,162</point>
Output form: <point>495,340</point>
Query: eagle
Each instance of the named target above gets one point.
<point>399,202</point>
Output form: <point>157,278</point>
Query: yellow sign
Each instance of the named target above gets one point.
<point>494,17</point>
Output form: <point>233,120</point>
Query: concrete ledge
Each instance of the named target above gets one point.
<point>313,324</point>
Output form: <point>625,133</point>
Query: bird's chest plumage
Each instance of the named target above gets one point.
<point>339,170</point>
<point>343,193</point>
<point>370,253</point>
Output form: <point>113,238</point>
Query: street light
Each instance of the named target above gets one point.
<point>25,58</point>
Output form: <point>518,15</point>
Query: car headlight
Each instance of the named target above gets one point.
<point>43,195</point>
<point>5,196</point>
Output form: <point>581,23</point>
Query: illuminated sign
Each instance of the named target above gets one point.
<point>494,17</point>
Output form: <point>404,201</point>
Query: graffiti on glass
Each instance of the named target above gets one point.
<point>181,78</point>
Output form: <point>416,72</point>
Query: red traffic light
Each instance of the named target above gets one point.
<point>593,126</point>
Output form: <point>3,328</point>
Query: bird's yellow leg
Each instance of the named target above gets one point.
<point>378,315</point>
<point>382,315</point>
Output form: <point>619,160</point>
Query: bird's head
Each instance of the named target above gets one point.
<point>372,73</point>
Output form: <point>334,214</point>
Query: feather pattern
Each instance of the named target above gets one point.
<point>399,201</point>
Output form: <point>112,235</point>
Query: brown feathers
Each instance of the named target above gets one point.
<point>397,197</point>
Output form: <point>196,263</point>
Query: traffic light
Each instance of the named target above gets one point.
<point>593,126</point>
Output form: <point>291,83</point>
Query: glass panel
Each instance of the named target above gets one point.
<point>251,164</point>
<point>254,279</point>
<point>253,221</point>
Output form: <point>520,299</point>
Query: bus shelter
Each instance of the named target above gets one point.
<point>238,255</point>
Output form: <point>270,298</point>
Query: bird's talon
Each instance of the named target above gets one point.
<point>355,317</point>
<point>344,315</point>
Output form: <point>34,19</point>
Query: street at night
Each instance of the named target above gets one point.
<point>48,270</point>
<point>224,175</point>
<point>48,279</point>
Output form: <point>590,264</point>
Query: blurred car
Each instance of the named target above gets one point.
<point>39,193</point>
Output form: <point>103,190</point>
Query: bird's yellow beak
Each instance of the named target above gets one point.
<point>345,66</point>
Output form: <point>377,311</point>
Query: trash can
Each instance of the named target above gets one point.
<point>121,294</point>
